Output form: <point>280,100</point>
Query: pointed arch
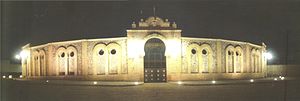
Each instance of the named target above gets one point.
<point>206,59</point>
<point>61,61</point>
<point>253,61</point>
<point>114,58</point>
<point>193,54</point>
<point>100,60</point>
<point>238,60</point>
<point>258,61</point>
<point>35,63</point>
<point>229,51</point>
<point>71,60</point>
<point>42,56</point>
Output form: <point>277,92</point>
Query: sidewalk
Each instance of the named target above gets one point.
<point>229,82</point>
<point>127,83</point>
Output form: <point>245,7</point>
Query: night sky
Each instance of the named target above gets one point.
<point>254,21</point>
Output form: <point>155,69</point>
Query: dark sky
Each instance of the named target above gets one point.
<point>255,21</point>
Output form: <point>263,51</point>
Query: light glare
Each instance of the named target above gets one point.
<point>3,76</point>
<point>95,82</point>
<point>24,54</point>
<point>268,55</point>
<point>18,57</point>
<point>136,83</point>
<point>179,82</point>
<point>10,76</point>
<point>251,80</point>
<point>213,81</point>
<point>275,79</point>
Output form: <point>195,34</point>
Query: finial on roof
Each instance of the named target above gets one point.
<point>174,25</point>
<point>133,25</point>
<point>154,11</point>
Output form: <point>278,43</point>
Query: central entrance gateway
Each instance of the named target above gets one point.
<point>155,61</point>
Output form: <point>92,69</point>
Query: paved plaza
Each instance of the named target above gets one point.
<point>15,90</point>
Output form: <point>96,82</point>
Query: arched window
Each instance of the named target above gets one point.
<point>253,61</point>
<point>61,61</point>
<point>205,64</point>
<point>72,61</point>
<point>100,60</point>
<point>238,59</point>
<point>114,58</point>
<point>42,62</point>
<point>42,65</point>
<point>258,61</point>
<point>238,62</point>
<point>194,61</point>
<point>230,61</point>
<point>37,65</point>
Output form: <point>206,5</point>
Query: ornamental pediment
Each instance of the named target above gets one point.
<point>154,22</point>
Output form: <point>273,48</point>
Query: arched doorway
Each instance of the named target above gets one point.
<point>155,61</point>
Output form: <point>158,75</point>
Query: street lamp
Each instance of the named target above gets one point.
<point>18,57</point>
<point>22,55</point>
<point>268,55</point>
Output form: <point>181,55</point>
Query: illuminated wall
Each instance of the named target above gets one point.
<point>123,58</point>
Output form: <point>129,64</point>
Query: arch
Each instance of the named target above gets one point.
<point>61,61</point>
<point>193,53</point>
<point>206,59</point>
<point>35,63</point>
<point>100,61</point>
<point>155,60</point>
<point>42,68</point>
<point>253,61</point>
<point>238,60</point>
<point>114,58</point>
<point>72,56</point>
<point>258,61</point>
<point>229,61</point>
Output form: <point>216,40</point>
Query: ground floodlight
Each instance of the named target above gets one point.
<point>179,82</point>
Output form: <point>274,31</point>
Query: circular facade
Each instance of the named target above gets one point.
<point>153,51</point>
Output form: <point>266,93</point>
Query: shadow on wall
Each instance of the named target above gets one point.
<point>278,70</point>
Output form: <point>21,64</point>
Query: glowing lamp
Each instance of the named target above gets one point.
<point>213,82</point>
<point>18,57</point>
<point>179,82</point>
<point>136,83</point>
<point>268,55</point>
<point>10,76</point>
<point>24,54</point>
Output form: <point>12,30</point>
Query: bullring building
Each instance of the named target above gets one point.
<point>153,51</point>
